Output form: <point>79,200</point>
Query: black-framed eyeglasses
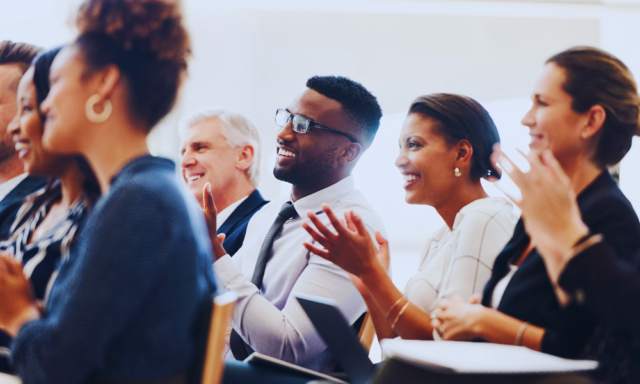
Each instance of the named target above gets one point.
<point>301,124</point>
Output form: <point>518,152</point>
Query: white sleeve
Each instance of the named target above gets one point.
<point>480,239</point>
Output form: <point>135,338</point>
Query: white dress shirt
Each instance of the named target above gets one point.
<point>270,320</point>
<point>459,261</point>
<point>224,215</point>
<point>9,185</point>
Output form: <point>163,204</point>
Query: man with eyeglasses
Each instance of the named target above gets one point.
<point>323,134</point>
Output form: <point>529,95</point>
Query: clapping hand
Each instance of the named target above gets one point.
<point>17,303</point>
<point>549,209</point>
<point>350,247</point>
<point>457,319</point>
<point>211,217</point>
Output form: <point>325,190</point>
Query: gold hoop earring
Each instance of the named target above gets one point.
<point>457,172</point>
<point>94,117</point>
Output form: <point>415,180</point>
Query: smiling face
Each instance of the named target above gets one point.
<point>207,157</point>
<point>10,75</point>
<point>552,123</point>
<point>26,130</point>
<point>66,122</point>
<point>304,159</point>
<point>426,161</point>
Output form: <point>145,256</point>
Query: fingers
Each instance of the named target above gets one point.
<point>474,299</point>
<point>514,199</point>
<point>208,205</point>
<point>495,158</point>
<point>221,237</point>
<point>337,225</point>
<point>383,252</point>
<point>320,227</point>
<point>512,170</point>
<point>315,235</point>
<point>357,221</point>
<point>317,251</point>
<point>350,224</point>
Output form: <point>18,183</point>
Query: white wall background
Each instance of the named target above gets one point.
<point>255,55</point>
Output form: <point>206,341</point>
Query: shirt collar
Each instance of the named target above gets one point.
<point>473,206</point>
<point>329,195</point>
<point>9,185</point>
<point>225,213</point>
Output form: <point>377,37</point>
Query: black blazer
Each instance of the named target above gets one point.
<point>530,296</point>
<point>600,282</point>
<point>235,226</point>
<point>10,205</point>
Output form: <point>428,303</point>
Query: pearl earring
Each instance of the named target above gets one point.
<point>457,172</point>
<point>584,135</point>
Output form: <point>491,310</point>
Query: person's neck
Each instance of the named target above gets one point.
<point>233,193</point>
<point>109,153</point>
<point>298,191</point>
<point>71,180</point>
<point>460,198</point>
<point>581,171</point>
<point>11,168</point>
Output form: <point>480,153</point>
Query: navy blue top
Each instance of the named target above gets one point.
<point>125,304</point>
<point>530,296</point>
<point>235,227</point>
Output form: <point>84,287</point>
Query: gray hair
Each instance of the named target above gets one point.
<point>236,128</point>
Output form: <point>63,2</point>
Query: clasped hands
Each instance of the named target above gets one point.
<point>17,302</point>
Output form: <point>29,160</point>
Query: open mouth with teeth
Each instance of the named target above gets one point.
<point>193,178</point>
<point>285,153</point>
<point>409,179</point>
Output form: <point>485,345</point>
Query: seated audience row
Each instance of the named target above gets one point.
<point>119,289</point>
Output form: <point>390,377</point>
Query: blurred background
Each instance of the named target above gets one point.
<point>254,56</point>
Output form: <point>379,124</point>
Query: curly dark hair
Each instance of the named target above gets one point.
<point>596,77</point>
<point>462,118</point>
<point>357,102</point>
<point>146,40</point>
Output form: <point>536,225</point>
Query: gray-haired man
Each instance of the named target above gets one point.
<point>222,147</point>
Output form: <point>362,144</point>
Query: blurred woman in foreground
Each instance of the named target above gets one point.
<point>128,305</point>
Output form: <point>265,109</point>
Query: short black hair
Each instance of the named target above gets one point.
<point>462,118</point>
<point>358,103</point>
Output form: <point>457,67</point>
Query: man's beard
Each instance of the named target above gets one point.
<point>302,173</point>
<point>7,148</point>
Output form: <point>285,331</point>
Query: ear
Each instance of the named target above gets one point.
<point>108,77</point>
<point>245,158</point>
<point>464,152</point>
<point>350,153</point>
<point>596,116</point>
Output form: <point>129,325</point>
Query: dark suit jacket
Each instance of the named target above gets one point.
<point>10,205</point>
<point>235,226</point>
<point>610,288</point>
<point>530,295</point>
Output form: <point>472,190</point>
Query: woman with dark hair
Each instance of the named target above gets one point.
<point>585,113</point>
<point>48,220</point>
<point>445,148</point>
<point>131,303</point>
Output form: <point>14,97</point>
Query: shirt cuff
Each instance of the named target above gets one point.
<point>227,271</point>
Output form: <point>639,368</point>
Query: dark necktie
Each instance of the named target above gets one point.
<point>240,349</point>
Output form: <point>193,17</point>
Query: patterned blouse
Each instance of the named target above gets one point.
<point>41,258</point>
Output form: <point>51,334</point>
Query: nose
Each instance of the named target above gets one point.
<point>286,133</point>
<point>401,160</point>
<point>187,160</point>
<point>14,126</point>
<point>528,120</point>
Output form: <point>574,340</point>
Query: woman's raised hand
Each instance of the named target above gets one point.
<point>549,208</point>
<point>350,247</point>
<point>18,304</point>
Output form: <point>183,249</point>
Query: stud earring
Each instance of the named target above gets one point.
<point>584,135</point>
<point>457,172</point>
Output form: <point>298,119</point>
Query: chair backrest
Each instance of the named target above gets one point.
<point>223,306</point>
<point>367,331</point>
